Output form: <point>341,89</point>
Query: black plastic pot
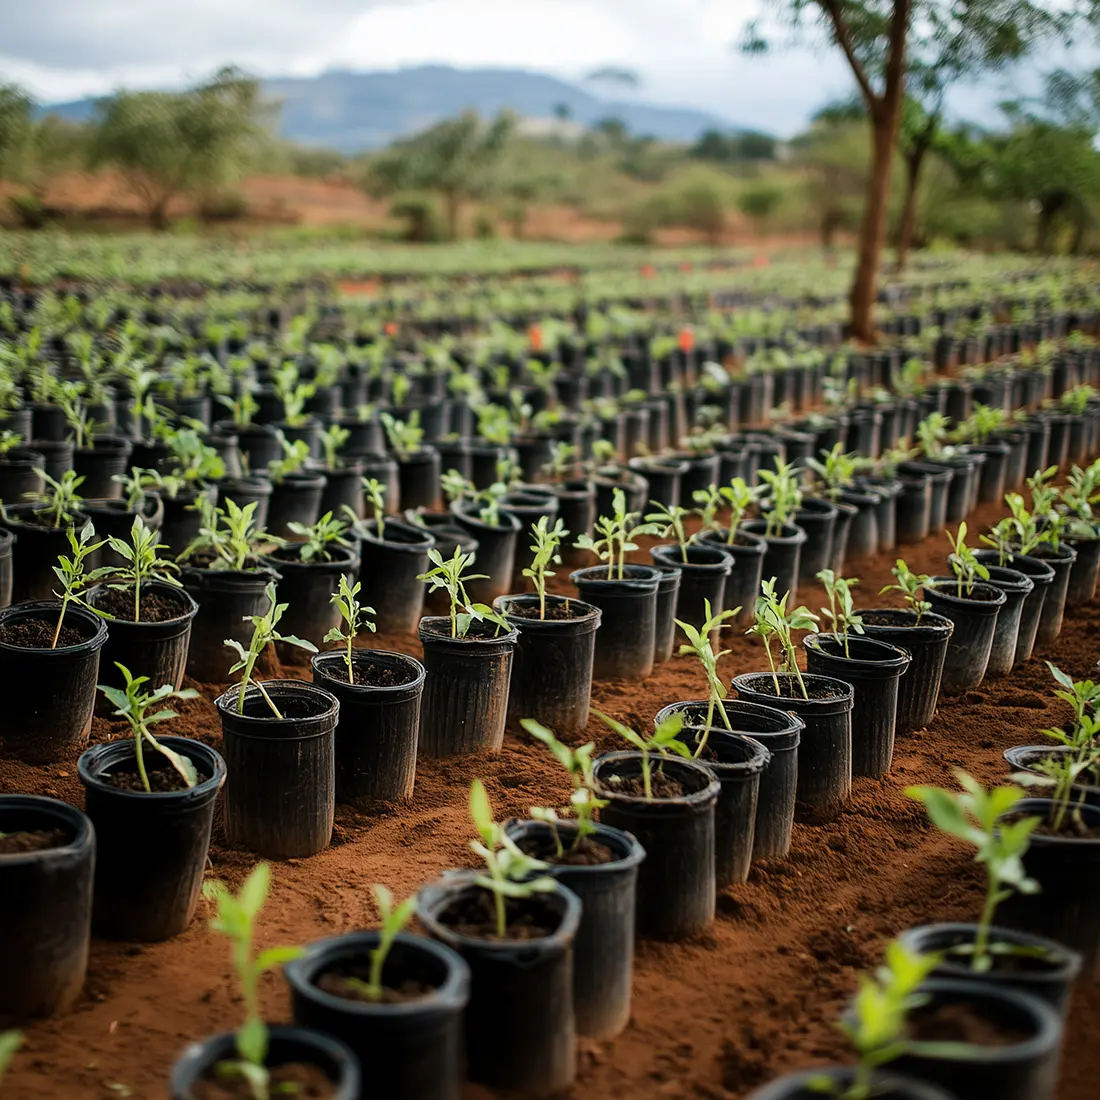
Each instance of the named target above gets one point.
<point>343,489</point>
<point>49,694</point>
<point>825,746</point>
<point>1054,605</point>
<point>743,581</point>
<point>414,1049</point>
<point>182,518</point>
<point>466,693</point>
<point>818,519</point>
<point>838,548</point>
<point>154,649</point>
<point>1041,575</point>
<point>46,918</point>
<point>913,509</point>
<point>975,618</point>
<point>940,478</point>
<point>307,587</point>
<point>782,554</point>
<point>388,568</point>
<point>520,1027</point>
<point>1047,971</point>
<point>663,478</point>
<point>496,552</point>
<point>259,444</point>
<point>35,551</point>
<point>98,464</point>
<point>17,475</point>
<point>552,666</point>
<point>378,727</point>
<point>634,486</point>
<point>151,846</point>
<point>626,640</point>
<point>603,951</point>
<point>676,884</point>
<point>418,478</point>
<point>1030,757</point>
<point>779,733</point>
<point>702,580</point>
<point>285,1045</point>
<point>295,498</point>
<point>57,455</point>
<point>962,490</point>
<point>280,795</point>
<point>1083,572</point>
<point>919,686</point>
<point>873,668</point>
<point>1021,1070</point>
<point>668,597</point>
<point>887,1084</point>
<point>991,481</point>
<point>226,599</point>
<point>1067,869</point>
<point>244,491</point>
<point>1017,587</point>
<point>577,510</point>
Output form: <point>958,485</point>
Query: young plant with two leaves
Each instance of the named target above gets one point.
<point>449,575</point>
<point>72,577</point>
<point>835,471</point>
<point>668,522</point>
<point>699,643</point>
<point>264,632</point>
<point>141,563</point>
<point>583,803</point>
<point>909,585</point>
<point>664,741</point>
<point>984,819</point>
<point>616,536</point>
<point>964,564</point>
<point>772,620</point>
<point>355,621</point>
<point>133,702</point>
<point>783,496</point>
<point>841,611</point>
<point>545,550</point>
<point>317,539</point>
<point>236,917</point>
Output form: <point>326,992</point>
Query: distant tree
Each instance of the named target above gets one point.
<point>458,158</point>
<point>54,145</point>
<point>699,206</point>
<point>563,112</point>
<point>613,129</point>
<point>715,146</point>
<point>756,146</point>
<point>836,158</point>
<point>16,109</point>
<point>167,144</point>
<point>759,202</point>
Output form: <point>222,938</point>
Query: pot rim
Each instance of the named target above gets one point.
<point>108,753</point>
<point>83,833</point>
<point>33,608</point>
<point>705,794</point>
<point>333,656</point>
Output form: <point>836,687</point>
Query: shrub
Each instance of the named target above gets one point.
<point>29,210</point>
<point>421,214</point>
<point>223,206</point>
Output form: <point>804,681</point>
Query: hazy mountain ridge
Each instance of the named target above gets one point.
<point>351,111</point>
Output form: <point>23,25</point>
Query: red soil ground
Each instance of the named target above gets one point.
<point>715,1017</point>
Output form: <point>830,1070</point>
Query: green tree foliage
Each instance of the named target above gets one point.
<point>167,144</point>
<point>16,108</point>
<point>759,202</point>
<point>713,145</point>
<point>459,158</point>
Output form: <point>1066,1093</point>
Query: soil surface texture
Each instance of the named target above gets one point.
<point>755,996</point>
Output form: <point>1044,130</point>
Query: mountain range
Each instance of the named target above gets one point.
<point>354,111</point>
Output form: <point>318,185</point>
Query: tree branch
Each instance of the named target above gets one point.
<point>843,36</point>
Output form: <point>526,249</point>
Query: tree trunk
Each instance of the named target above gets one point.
<point>158,214</point>
<point>872,235</point>
<point>913,163</point>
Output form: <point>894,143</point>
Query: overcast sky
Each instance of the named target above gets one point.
<point>683,50</point>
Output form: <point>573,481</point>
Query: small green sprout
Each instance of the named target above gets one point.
<point>664,740</point>
<point>355,620</point>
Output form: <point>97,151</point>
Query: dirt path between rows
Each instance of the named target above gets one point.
<point>714,1017</point>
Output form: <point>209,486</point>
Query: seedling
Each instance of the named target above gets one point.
<point>669,521</point>
<point>293,393</point>
<point>510,869</point>
<point>400,388</point>
<point>133,704</point>
<point>70,573</point>
<point>1025,523</point>
<point>319,537</point>
<point>142,562</point>
<point>295,457</point>
<point>617,533</point>
<point>877,1028</point>
<point>978,817</point>
<point>59,499</point>
<point>236,918</point>
<point>264,631</point>
<point>333,439</point>
<point>230,537</point>
<point>451,576</point>
<point>10,1042</point>
<point>784,495</point>
<point>375,493</point>
<point>772,620</point>
<point>545,547</point>
<point>394,920</point>
<point>1044,500</point>
<point>966,567</point>
<point>1081,492</point>
<point>932,434</point>
<point>355,620</point>
<point>841,611</point>
<point>563,460</point>
<point>909,584</point>
<point>243,407</point>
<point>709,501</point>
<point>456,487</point>
<point>1002,536</point>
<point>740,496</point>
<point>699,643</point>
<point>193,461</point>
<point>405,436</point>
<point>1082,743</point>
<point>984,421</point>
<point>9,440</point>
<point>583,804</point>
<point>836,472</point>
<point>664,740</point>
